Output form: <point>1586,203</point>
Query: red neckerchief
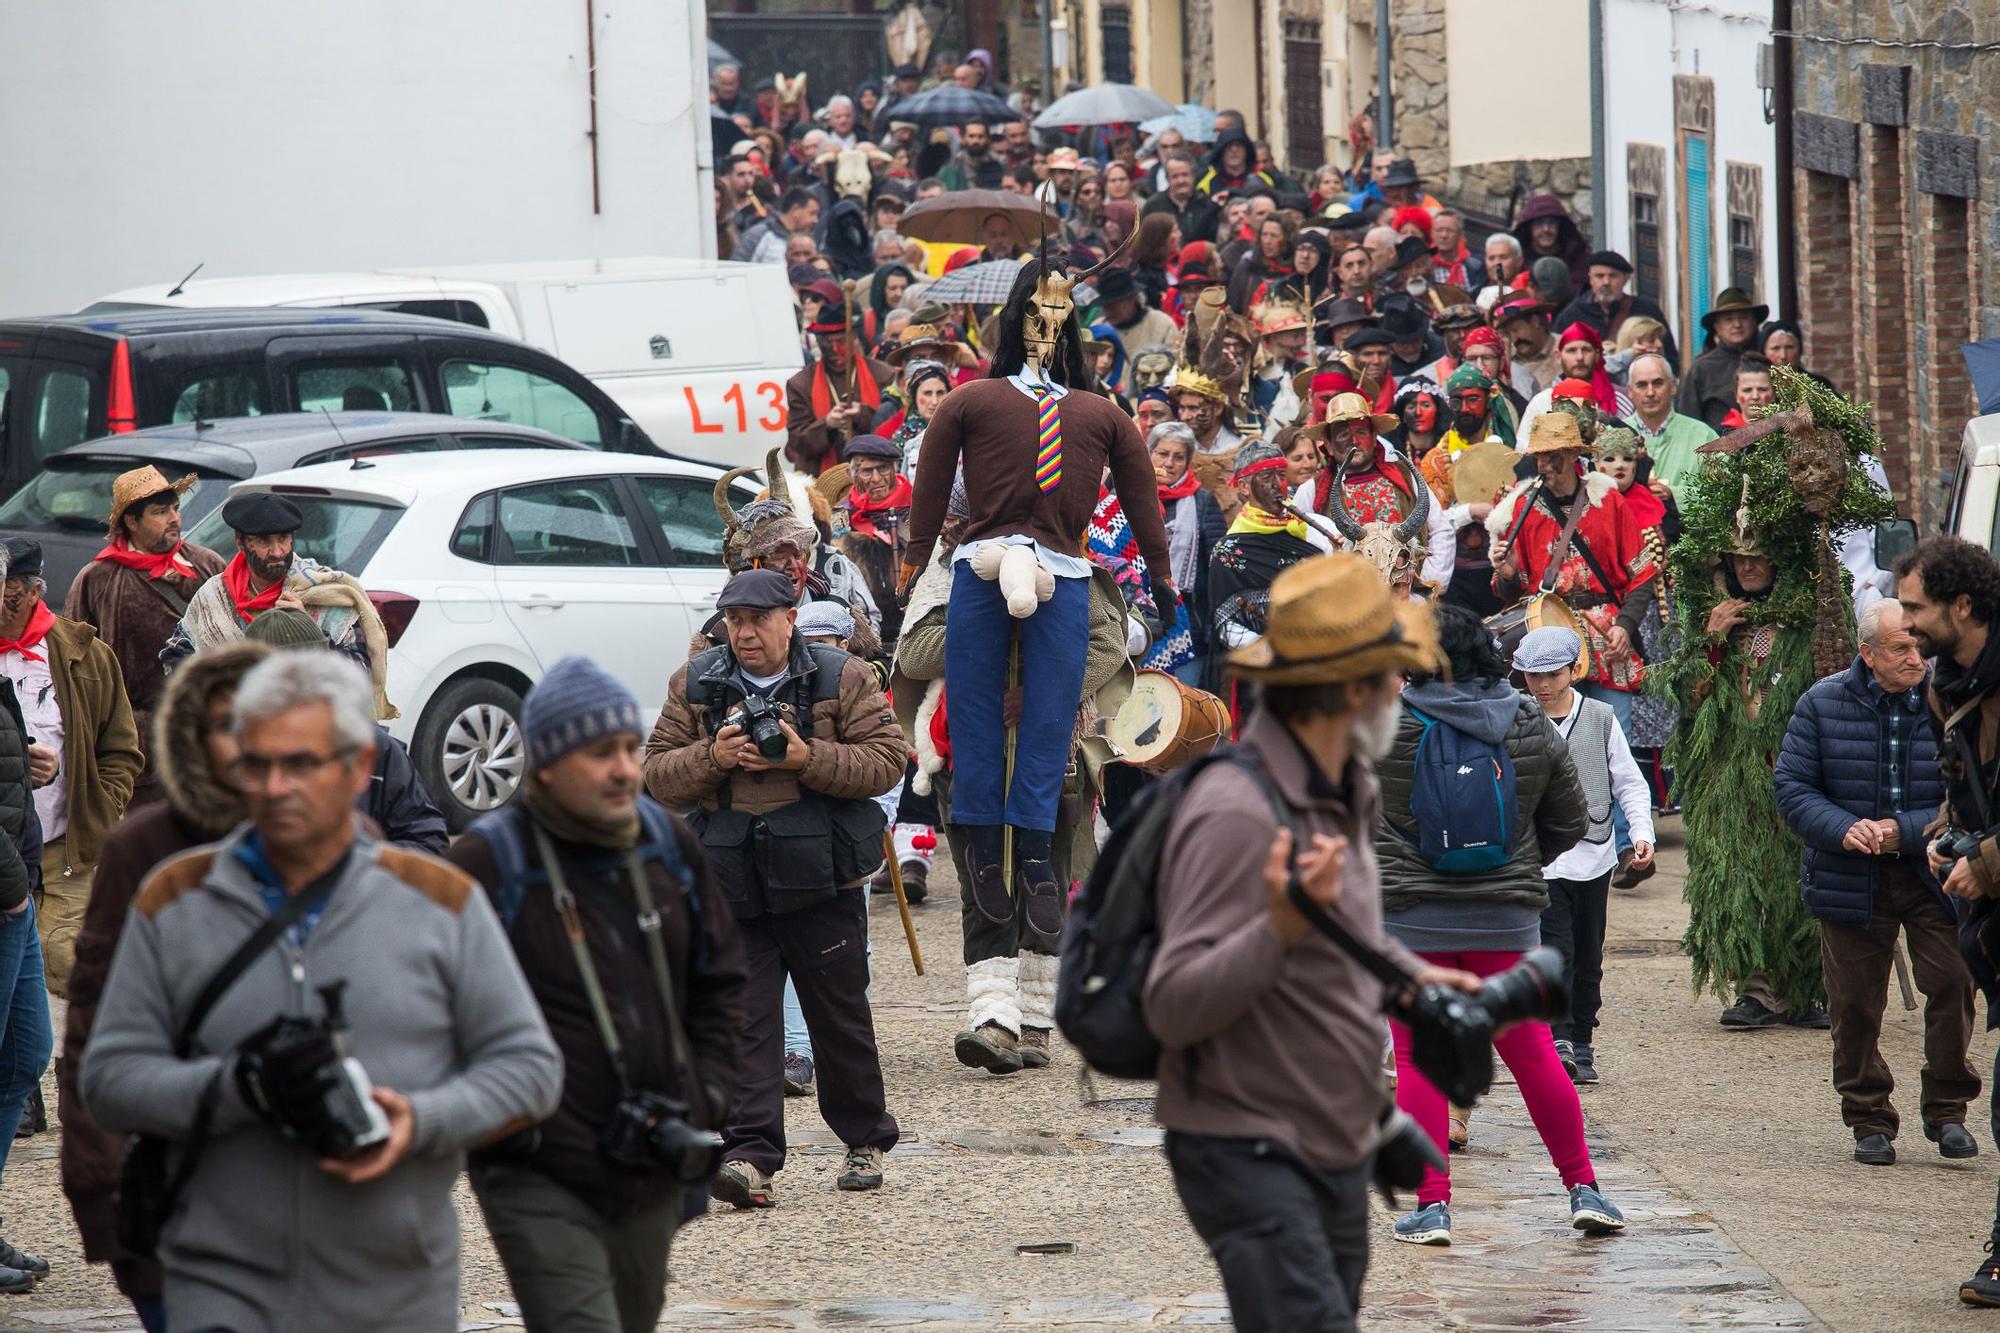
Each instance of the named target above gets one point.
<point>1182,489</point>
<point>860,382</point>
<point>39,625</point>
<point>236,578</point>
<point>859,507</point>
<point>120,552</point>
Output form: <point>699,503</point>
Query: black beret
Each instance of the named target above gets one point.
<point>260,513</point>
<point>24,558</point>
<point>1611,259</point>
<point>1368,338</point>
<point>758,590</point>
<point>871,446</point>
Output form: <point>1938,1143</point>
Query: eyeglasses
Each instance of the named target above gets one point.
<point>253,770</point>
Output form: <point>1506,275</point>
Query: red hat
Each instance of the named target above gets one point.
<point>1579,390</point>
<point>1483,337</point>
<point>960,258</point>
<point>1413,216</point>
<point>1580,332</point>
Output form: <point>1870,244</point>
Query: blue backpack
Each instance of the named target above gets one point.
<point>1462,800</point>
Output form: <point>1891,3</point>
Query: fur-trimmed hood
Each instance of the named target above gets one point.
<point>201,799</point>
<point>1501,520</point>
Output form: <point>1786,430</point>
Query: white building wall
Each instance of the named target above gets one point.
<point>1647,43</point>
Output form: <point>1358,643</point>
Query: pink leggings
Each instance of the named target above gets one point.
<point>1530,1053</point>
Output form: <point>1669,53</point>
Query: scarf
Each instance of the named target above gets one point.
<point>859,507</point>
<point>1600,379</point>
<point>39,624</point>
<point>859,382</point>
<point>236,578</point>
<point>1254,522</point>
<point>1955,684</point>
<point>120,552</point>
<point>1182,489</point>
<point>1184,535</point>
<point>567,826</point>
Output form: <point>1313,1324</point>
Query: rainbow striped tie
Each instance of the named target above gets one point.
<point>1048,463</point>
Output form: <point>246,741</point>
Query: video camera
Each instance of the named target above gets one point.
<point>298,1074</point>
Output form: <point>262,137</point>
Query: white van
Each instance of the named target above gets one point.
<point>696,351</point>
<point>1975,493</point>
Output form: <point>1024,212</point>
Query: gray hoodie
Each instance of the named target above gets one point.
<point>1432,912</point>
<point>264,1239</point>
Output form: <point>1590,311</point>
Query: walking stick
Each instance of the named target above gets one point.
<point>1013,739</point>
<point>1903,977</point>
<point>902,899</point>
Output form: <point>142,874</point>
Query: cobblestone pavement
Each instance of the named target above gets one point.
<point>1725,1151</point>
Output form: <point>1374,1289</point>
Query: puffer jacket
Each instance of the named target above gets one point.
<point>1835,768</point>
<point>1551,815</point>
<point>20,828</point>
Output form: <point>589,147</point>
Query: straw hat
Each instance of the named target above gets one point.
<point>1332,619</point>
<point>835,483</point>
<point>141,483</point>
<point>1554,432</point>
<point>1278,317</point>
<point>1348,407</point>
<point>929,341</point>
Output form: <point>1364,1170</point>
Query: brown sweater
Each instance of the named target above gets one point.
<point>996,429</point>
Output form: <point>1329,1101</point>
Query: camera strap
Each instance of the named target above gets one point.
<point>593,987</point>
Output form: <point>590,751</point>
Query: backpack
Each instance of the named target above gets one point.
<point>1114,928</point>
<point>1462,799</point>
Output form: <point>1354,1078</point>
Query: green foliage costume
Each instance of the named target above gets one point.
<point>1790,488</point>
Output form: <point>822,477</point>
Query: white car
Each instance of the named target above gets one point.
<point>490,566</point>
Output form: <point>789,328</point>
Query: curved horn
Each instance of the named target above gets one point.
<point>730,522</point>
<point>1420,507</point>
<point>774,480</point>
<point>1106,262</point>
<point>1337,506</point>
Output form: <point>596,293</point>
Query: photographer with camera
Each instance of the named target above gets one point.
<point>1270,1086</point>
<point>308,1029</point>
<point>638,967</point>
<point>1462,856</point>
<point>778,749</point>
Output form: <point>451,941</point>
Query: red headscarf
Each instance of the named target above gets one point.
<point>39,624</point>
<point>1600,381</point>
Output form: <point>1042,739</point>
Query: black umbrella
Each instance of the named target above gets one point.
<point>953,105</point>
<point>724,133</point>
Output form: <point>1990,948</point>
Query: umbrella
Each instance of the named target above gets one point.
<point>1193,121</point>
<point>1104,104</point>
<point>989,283</point>
<point>953,105</point>
<point>718,54</point>
<point>957,216</point>
<point>1982,362</point>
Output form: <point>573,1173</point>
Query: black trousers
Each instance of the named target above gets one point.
<point>1573,924</point>
<point>1291,1239</point>
<point>824,949</point>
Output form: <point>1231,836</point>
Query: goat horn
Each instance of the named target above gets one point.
<point>1420,507</point>
<point>1337,506</point>
<point>1107,261</point>
<point>774,480</point>
<point>730,522</point>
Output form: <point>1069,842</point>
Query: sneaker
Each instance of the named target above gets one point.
<point>1585,1072</point>
<point>1567,1054</point>
<point>1982,1288</point>
<point>1748,1013</point>
<point>863,1170</point>
<point>27,1263</point>
<point>1814,1017</point>
<point>989,1047</point>
<point>798,1074</point>
<point>1593,1214</point>
<point>1874,1150</point>
<point>916,881</point>
<point>1953,1141</point>
<point>1428,1225</point>
<point>744,1185</point>
<point>16,1281</point>
<point>1034,1048</point>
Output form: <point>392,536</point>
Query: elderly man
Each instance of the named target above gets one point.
<point>73,702</point>
<point>1607,305</point>
<point>302,1157</point>
<point>1669,437</point>
<point>136,589</point>
<point>1380,243</point>
<point>1504,262</point>
<point>1858,780</point>
<point>834,397</point>
<point>1709,392</point>
<point>1190,209</point>
<point>874,522</point>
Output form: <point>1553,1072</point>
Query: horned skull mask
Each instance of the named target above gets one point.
<point>1048,314</point>
<point>1393,548</point>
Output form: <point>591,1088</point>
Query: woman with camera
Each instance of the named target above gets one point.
<point>1478,793</point>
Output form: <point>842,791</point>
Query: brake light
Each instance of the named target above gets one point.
<point>121,409</point>
<point>395,608</point>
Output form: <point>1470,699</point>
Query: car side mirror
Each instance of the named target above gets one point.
<point>632,440</point>
<point>1894,539</point>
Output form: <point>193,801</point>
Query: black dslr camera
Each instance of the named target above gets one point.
<point>758,717</point>
<point>649,1131</point>
<point>1452,1031</point>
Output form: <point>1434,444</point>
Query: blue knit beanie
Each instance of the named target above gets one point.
<point>576,703</point>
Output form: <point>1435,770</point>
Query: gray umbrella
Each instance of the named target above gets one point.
<point>976,284</point>
<point>953,105</point>
<point>1104,104</point>
<point>718,54</point>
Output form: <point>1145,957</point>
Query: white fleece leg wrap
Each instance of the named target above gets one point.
<point>1038,989</point>
<point>992,990</point>
<point>915,842</point>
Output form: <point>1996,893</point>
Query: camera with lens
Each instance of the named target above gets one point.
<point>759,719</point>
<point>1452,1030</point>
<point>649,1131</point>
<point>298,1074</point>
<point>1957,844</point>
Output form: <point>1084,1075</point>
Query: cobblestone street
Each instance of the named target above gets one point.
<point>1745,1209</point>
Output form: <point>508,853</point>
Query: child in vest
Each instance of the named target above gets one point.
<point>1580,879</point>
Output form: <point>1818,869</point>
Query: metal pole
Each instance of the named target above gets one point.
<point>1598,165</point>
<point>1781,106</point>
<point>1048,52</point>
<point>1385,115</point>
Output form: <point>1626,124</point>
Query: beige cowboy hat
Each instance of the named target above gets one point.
<point>930,341</point>
<point>1348,407</point>
<point>1554,432</point>
<point>835,483</point>
<point>1332,619</point>
<point>141,483</point>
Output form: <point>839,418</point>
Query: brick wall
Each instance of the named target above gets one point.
<point>1884,350</point>
<point>1827,293</point>
<point>1948,314</point>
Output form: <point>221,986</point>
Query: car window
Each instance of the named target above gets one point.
<point>339,533</point>
<point>684,507</point>
<point>466,441</point>
<point>61,411</point>
<point>474,538</point>
<point>576,522</point>
<point>77,499</point>
<point>509,393</point>
<point>412,444</point>
<point>372,384</point>
<point>215,394</point>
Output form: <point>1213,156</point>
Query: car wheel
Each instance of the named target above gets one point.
<point>470,749</point>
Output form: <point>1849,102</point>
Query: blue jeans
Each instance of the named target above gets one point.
<point>26,1039</point>
<point>1054,642</point>
<point>1621,708</point>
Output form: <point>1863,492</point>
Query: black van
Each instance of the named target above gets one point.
<point>65,379</point>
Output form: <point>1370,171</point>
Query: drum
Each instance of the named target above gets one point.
<point>1162,723</point>
<point>1530,613</point>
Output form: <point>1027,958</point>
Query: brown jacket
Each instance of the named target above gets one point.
<point>135,620</point>
<point>857,750</point>
<point>102,759</point>
<point>809,445</point>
